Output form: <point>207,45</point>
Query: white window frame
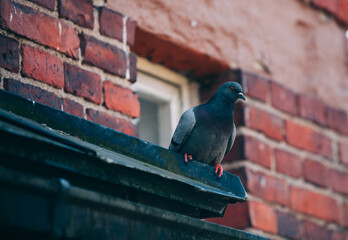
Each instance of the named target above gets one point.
<point>157,83</point>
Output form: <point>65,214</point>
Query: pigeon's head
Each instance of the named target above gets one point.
<point>231,90</point>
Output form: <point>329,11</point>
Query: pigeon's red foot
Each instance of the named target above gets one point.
<point>217,168</point>
<point>189,157</point>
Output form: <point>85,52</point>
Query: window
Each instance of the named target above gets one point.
<point>164,95</point>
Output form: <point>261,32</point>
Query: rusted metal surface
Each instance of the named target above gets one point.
<point>66,177</point>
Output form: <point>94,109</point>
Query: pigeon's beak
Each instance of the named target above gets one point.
<point>241,96</point>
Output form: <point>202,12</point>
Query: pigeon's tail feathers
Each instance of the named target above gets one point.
<point>183,130</point>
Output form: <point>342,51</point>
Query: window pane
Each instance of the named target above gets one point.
<point>148,122</point>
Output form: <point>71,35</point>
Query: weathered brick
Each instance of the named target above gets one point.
<point>112,122</point>
<point>250,149</point>
<point>111,25</point>
<point>9,53</point>
<point>330,5</point>
<point>316,173</point>
<point>236,216</point>
<point>337,119</point>
<point>284,99</point>
<point>343,152</point>
<point>103,55</point>
<point>288,226</point>
<point>73,108</point>
<point>312,109</point>
<point>42,66</point>
<point>306,138</point>
<point>263,217</point>
<point>342,10</point>
<point>338,235</point>
<point>340,181</point>
<point>315,204</point>
<point>287,163</point>
<point>267,187</point>
<point>39,27</point>
<point>49,4</point>
<point>345,207</point>
<point>315,232</point>
<point>33,93</point>
<point>258,152</point>
<point>78,11</point>
<point>176,56</point>
<point>255,86</point>
<point>271,125</point>
<point>82,83</point>
<point>121,99</point>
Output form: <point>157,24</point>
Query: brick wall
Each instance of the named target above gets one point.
<point>71,55</point>
<point>291,154</point>
<point>291,151</point>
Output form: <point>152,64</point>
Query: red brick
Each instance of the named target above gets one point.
<point>288,163</point>
<point>121,99</point>
<point>42,66</point>
<point>9,54</point>
<point>267,187</point>
<point>316,173</point>
<point>112,122</point>
<point>312,109</point>
<point>78,11</point>
<point>306,138</point>
<point>255,86</point>
<point>315,232</point>
<point>329,5</point>
<point>338,235</point>
<point>337,119</point>
<point>315,204</point>
<point>263,217</point>
<point>284,99</point>
<point>103,55</point>
<point>33,93</point>
<point>342,10</point>
<point>111,25</point>
<point>288,226</point>
<point>346,214</point>
<point>176,56</point>
<point>39,27</point>
<point>250,149</point>
<point>258,152</point>
<point>271,125</point>
<point>343,152</point>
<point>73,108</point>
<point>82,83</point>
<point>340,181</point>
<point>49,4</point>
<point>236,216</point>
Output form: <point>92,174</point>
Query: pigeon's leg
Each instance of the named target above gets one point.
<point>189,157</point>
<point>217,168</point>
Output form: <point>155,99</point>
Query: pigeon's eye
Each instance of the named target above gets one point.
<point>232,88</point>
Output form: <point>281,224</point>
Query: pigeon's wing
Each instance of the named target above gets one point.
<point>231,139</point>
<point>183,130</point>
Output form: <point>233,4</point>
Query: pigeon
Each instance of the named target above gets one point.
<point>207,132</point>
